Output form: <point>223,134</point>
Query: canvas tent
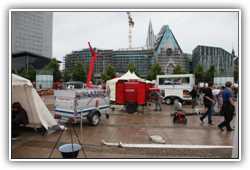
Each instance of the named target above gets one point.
<point>111,84</point>
<point>37,112</point>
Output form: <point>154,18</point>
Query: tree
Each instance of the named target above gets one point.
<point>155,70</point>
<point>29,74</point>
<point>210,74</point>
<point>53,66</point>
<point>78,73</point>
<point>132,67</point>
<point>67,75</point>
<point>109,73</point>
<point>199,73</point>
<point>178,70</point>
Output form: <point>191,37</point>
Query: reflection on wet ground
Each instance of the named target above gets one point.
<point>132,128</point>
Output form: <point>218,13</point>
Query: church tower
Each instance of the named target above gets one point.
<point>233,53</point>
<point>168,52</point>
<point>150,37</point>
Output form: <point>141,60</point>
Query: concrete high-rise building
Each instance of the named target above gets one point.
<point>31,32</point>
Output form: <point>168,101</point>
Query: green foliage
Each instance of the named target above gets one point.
<point>204,76</point>
<point>67,75</point>
<point>178,70</point>
<point>29,74</point>
<point>155,70</point>
<point>78,73</point>
<point>199,73</point>
<point>132,67</point>
<point>53,66</point>
<point>210,74</point>
<point>109,73</point>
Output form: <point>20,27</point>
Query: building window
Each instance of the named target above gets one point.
<point>202,50</point>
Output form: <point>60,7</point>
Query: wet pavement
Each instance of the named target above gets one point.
<point>133,129</point>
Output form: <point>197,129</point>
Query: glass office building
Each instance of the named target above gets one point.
<point>208,56</point>
<point>142,59</point>
<point>119,59</point>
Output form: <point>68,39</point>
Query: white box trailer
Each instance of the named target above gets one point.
<point>81,104</point>
<point>175,87</point>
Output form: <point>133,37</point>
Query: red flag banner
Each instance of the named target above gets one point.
<point>91,65</point>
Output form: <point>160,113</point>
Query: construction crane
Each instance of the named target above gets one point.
<point>131,24</point>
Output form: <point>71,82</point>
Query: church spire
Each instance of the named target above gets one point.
<point>150,36</point>
<point>233,52</point>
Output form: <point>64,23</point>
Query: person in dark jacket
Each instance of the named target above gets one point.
<point>208,103</point>
<point>157,100</point>
<point>194,95</point>
<point>228,107</point>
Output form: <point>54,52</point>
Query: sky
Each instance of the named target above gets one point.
<point>109,30</point>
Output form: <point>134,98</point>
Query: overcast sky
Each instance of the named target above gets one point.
<point>109,30</point>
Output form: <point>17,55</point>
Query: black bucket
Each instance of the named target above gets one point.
<point>70,150</point>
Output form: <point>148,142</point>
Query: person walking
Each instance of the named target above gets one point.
<point>194,95</point>
<point>220,99</point>
<point>208,103</point>
<point>228,107</point>
<point>157,100</point>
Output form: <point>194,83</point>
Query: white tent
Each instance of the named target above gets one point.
<point>37,112</point>
<point>111,84</point>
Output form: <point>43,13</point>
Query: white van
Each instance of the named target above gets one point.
<point>175,87</point>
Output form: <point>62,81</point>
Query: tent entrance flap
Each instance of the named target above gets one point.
<point>26,95</point>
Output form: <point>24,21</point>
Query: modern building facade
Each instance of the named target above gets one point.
<point>25,60</point>
<point>168,52</point>
<point>31,39</point>
<point>208,56</point>
<point>142,59</point>
<point>32,32</point>
<point>104,57</point>
<point>119,59</point>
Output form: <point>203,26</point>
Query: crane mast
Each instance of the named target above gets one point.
<point>131,25</point>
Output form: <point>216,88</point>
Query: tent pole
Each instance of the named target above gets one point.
<point>81,126</point>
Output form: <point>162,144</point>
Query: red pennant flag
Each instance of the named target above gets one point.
<point>91,66</point>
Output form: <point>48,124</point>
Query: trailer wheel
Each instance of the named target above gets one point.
<point>177,100</point>
<point>168,101</point>
<point>94,118</point>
